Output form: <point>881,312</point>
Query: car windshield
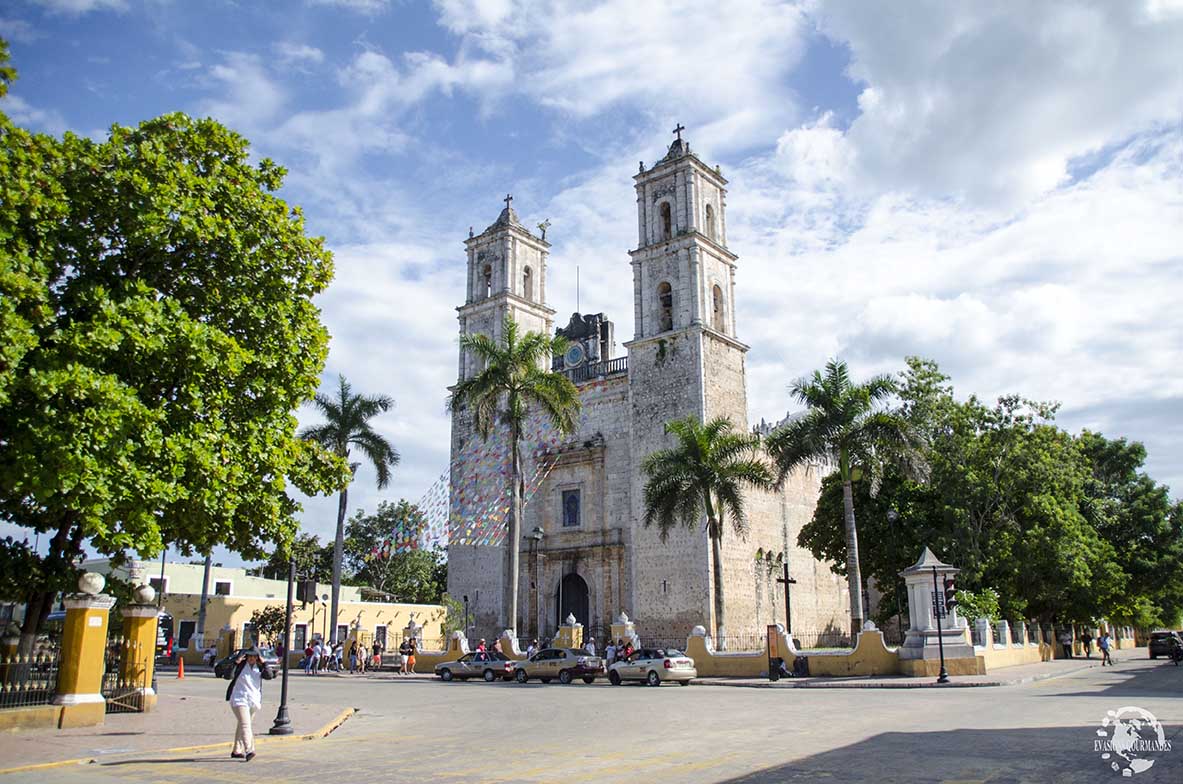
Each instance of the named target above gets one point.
<point>670,652</point>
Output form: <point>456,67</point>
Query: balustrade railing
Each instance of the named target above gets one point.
<point>28,679</point>
<point>594,370</point>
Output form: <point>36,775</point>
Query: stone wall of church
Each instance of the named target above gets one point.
<point>669,579</point>
<point>595,461</point>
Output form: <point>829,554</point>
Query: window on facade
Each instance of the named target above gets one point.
<point>665,303</point>
<point>528,284</point>
<point>221,588</point>
<point>187,630</point>
<point>342,632</point>
<point>487,280</point>
<point>248,635</point>
<point>667,221</point>
<point>717,320</point>
<point>299,636</point>
<point>570,508</point>
<point>161,588</point>
<point>710,221</point>
<point>380,636</point>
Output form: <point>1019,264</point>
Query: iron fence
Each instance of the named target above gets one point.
<point>124,679</point>
<point>29,679</point>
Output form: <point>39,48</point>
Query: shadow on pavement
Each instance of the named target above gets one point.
<point>1055,755</point>
<point>1164,680</point>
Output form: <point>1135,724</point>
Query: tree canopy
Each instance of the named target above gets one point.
<point>157,334</point>
<point>1062,527</point>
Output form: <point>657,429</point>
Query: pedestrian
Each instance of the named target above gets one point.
<point>377,661</point>
<point>532,648</point>
<point>353,657</point>
<point>610,652</point>
<point>413,647</point>
<point>480,646</point>
<point>497,645</point>
<point>314,663</point>
<point>404,654</point>
<point>628,649</point>
<point>1086,640</point>
<point>1066,643</point>
<point>245,695</point>
<point>590,646</point>
<point>1104,644</point>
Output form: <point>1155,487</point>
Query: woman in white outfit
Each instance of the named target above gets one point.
<point>245,695</point>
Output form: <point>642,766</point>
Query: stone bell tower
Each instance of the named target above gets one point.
<point>684,359</point>
<point>506,276</point>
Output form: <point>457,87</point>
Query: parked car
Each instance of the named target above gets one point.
<point>224,668</point>
<point>566,664</point>
<point>1163,642</point>
<point>654,666</point>
<point>489,665</point>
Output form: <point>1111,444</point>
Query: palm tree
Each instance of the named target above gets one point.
<point>513,380</point>
<point>348,426</point>
<point>844,425</point>
<point>704,474</point>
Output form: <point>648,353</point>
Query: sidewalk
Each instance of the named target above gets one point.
<point>190,712</point>
<point>1007,676</point>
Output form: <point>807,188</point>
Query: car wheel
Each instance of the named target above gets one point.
<point>565,677</point>
<point>653,679</point>
<point>520,676</point>
<point>545,680</point>
<point>490,676</point>
<point>684,683</point>
<point>589,679</point>
<point>446,674</point>
<point>614,677</point>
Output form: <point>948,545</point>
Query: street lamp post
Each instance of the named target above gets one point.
<point>283,724</point>
<point>466,619</point>
<point>938,608</point>
<point>324,608</point>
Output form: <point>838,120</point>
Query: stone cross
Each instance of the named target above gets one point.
<point>544,226</point>
<point>507,200</point>
<point>678,130</point>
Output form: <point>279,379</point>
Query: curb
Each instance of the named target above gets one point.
<point>901,684</point>
<point>267,740</point>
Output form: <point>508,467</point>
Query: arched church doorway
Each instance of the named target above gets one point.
<point>572,599</point>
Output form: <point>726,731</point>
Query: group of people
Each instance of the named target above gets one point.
<point>361,659</point>
<point>1104,644</point>
<point>320,656</point>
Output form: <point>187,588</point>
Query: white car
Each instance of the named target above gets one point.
<point>653,666</point>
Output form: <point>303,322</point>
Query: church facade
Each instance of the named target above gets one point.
<point>585,549</point>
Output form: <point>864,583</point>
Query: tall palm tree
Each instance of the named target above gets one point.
<point>347,427</point>
<point>845,424</point>
<point>514,379</point>
<point>704,473</point>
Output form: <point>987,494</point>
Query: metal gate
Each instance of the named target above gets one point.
<point>124,679</point>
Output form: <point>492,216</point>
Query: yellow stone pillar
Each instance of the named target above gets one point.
<point>139,657</point>
<point>84,643</point>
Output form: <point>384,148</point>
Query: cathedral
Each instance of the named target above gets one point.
<point>584,548</point>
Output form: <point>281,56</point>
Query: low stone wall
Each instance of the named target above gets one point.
<point>425,661</point>
<point>32,717</point>
<point>711,663</point>
<point>870,656</point>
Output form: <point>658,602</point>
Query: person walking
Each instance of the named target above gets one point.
<point>353,656</point>
<point>245,695</point>
<point>413,648</point>
<point>1086,640</point>
<point>480,646</point>
<point>404,654</point>
<point>610,652</point>
<point>314,661</point>
<point>590,646</point>
<point>1104,644</point>
<point>376,663</point>
<point>497,645</point>
<point>532,648</point>
<point>1066,642</point>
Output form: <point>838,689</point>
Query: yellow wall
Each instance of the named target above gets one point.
<point>871,656</point>
<point>235,611</point>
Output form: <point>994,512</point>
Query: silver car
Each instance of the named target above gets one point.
<point>653,666</point>
<point>566,664</point>
<point>489,665</point>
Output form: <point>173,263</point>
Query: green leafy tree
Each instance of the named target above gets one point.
<point>513,380</point>
<point>347,427</point>
<point>414,575</point>
<point>157,332</point>
<point>847,424</point>
<point>704,474</point>
<point>268,623</point>
<point>314,561</point>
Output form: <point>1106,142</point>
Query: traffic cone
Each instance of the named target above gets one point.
<point>180,668</point>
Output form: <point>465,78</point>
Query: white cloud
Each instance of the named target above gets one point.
<point>299,55</point>
<point>995,100</point>
<point>245,97</point>
<point>18,30</point>
<point>25,114</point>
<point>80,7</point>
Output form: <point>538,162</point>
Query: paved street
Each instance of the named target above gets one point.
<point>426,731</point>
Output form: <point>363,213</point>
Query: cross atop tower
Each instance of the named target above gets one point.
<point>678,130</point>
<point>507,200</point>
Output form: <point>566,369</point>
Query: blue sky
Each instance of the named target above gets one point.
<point>995,186</point>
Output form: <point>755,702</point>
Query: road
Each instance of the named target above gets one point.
<point>427,731</point>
